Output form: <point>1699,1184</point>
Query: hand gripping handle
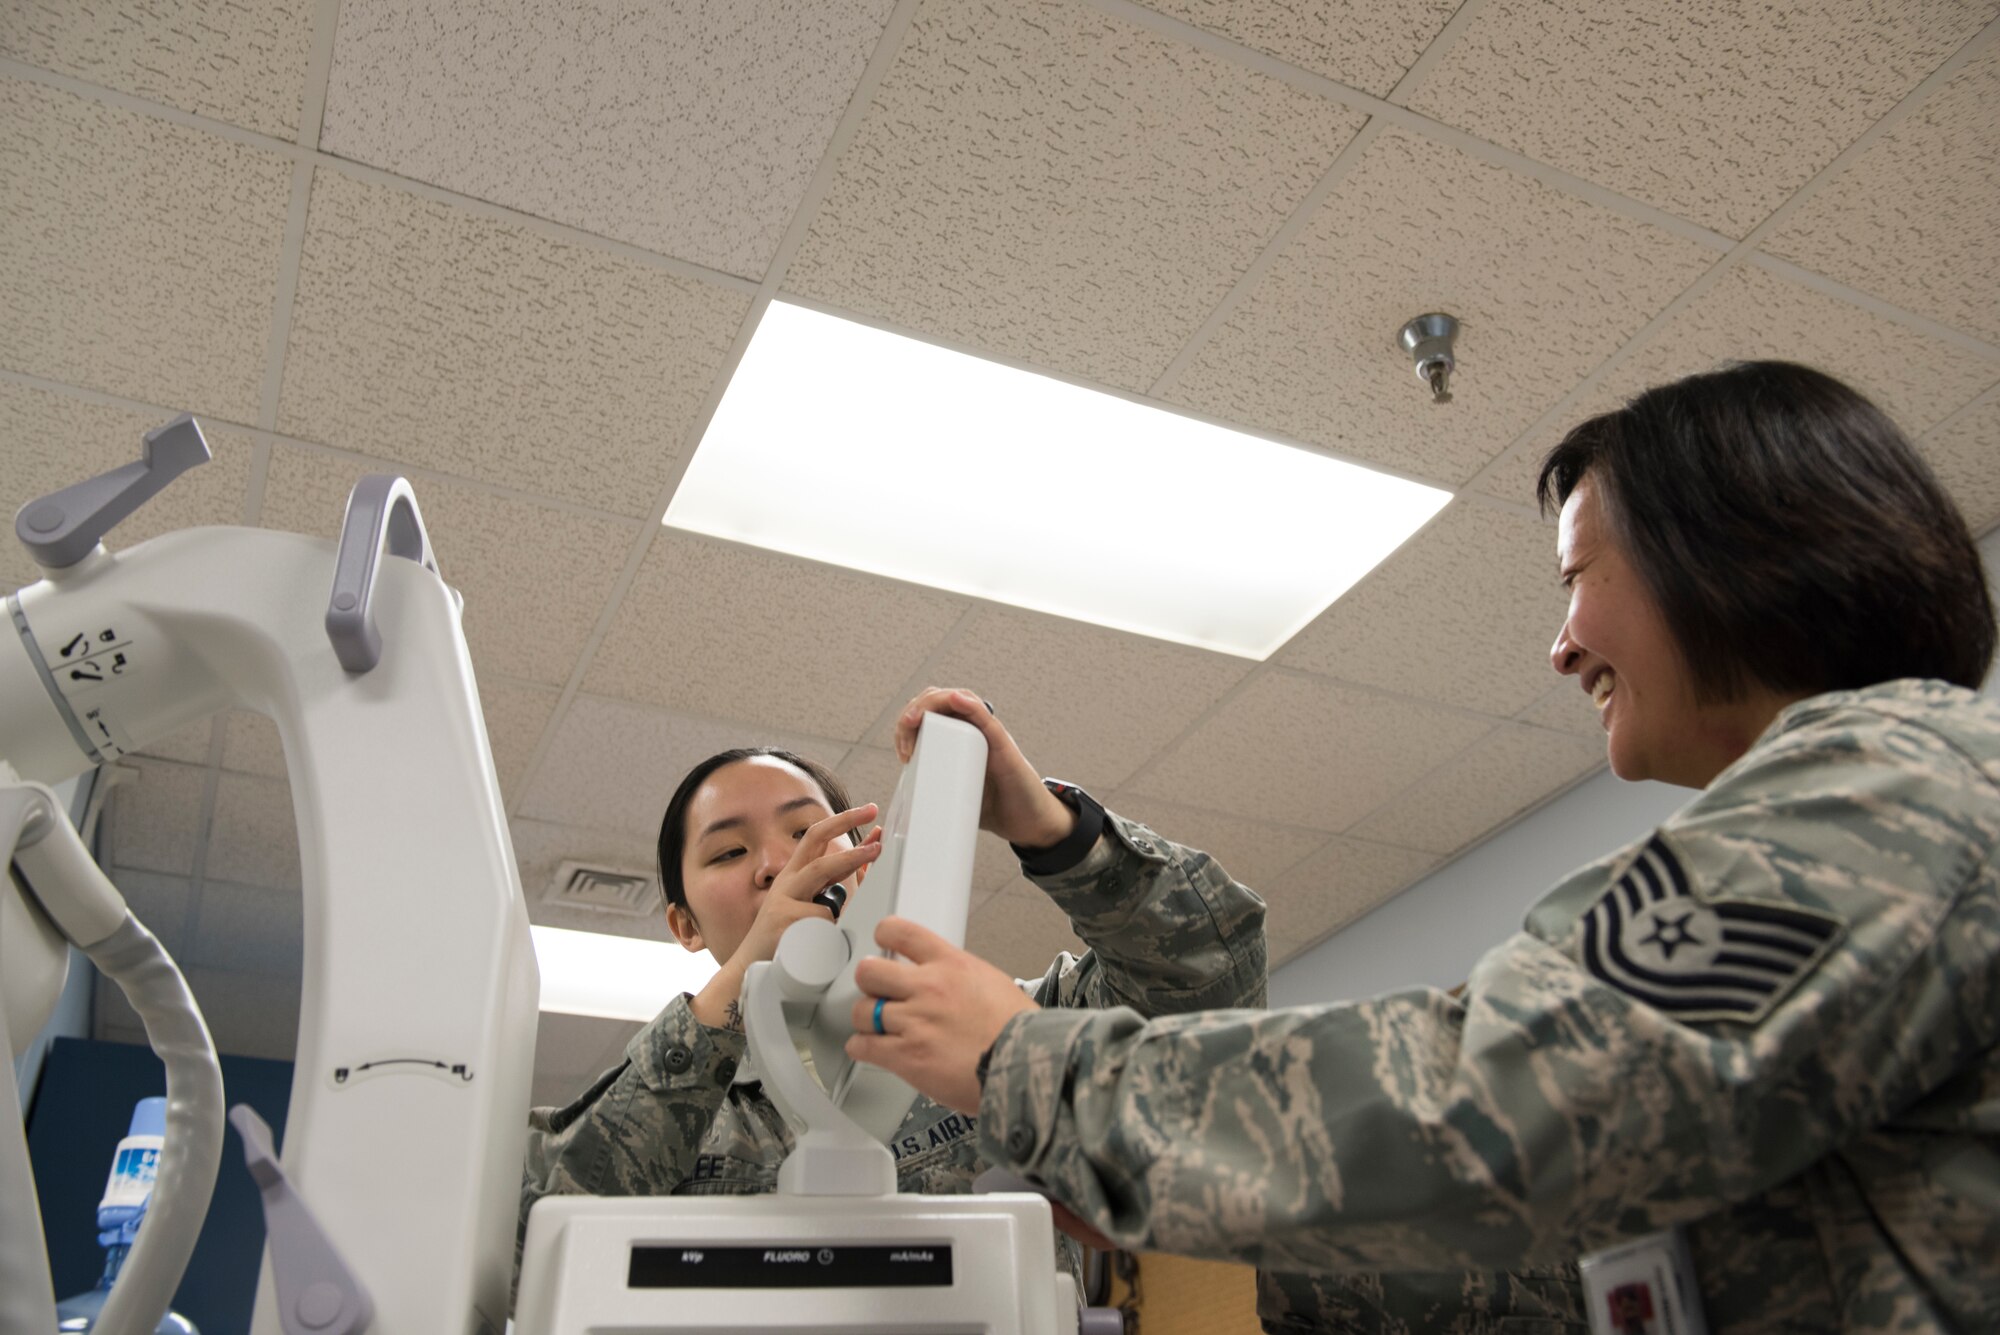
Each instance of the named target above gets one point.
<point>381,512</point>
<point>63,527</point>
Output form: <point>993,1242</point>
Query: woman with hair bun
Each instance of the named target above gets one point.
<point>751,842</point>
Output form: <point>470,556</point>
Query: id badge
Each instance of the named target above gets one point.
<point>1643,1287</point>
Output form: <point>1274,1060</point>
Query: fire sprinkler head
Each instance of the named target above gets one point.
<point>1428,340</point>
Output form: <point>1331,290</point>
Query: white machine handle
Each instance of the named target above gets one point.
<point>381,513</point>
<point>317,1293</point>
<point>62,528</point>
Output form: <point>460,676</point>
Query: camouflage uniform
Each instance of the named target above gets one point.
<point>1774,1020</point>
<point>1169,931</point>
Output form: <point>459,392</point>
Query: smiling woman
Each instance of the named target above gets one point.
<point>1725,558</point>
<point>1760,1046</point>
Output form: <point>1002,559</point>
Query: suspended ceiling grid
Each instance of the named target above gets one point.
<point>513,250</point>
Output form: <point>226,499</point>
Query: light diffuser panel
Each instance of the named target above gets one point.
<point>846,444</point>
<point>614,977</point>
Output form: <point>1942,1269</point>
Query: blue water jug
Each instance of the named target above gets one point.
<point>126,1193</point>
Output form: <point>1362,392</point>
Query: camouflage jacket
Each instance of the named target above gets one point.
<point>1169,932</point>
<point>1774,1020</point>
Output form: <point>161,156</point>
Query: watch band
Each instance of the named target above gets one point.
<point>1061,856</point>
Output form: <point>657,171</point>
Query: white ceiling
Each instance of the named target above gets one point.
<point>512,250</point>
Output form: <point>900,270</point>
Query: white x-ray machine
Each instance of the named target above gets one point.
<point>394,1208</point>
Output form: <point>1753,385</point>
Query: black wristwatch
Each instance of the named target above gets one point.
<point>1061,856</point>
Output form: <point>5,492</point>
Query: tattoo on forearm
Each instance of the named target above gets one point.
<point>732,1017</point>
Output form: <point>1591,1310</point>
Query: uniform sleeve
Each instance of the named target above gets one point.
<point>1551,1111</point>
<point>1169,931</point>
<point>636,1131</point>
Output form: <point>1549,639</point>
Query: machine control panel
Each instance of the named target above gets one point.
<point>803,1265</point>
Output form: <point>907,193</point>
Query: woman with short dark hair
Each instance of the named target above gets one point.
<point>1761,1046</point>
<point>1803,548</point>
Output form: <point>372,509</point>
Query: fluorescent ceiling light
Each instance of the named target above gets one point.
<point>845,444</point>
<point>615,977</point>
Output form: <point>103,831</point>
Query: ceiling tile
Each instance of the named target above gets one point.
<point>249,929</point>
<point>1912,220</point>
<point>1545,286</point>
<point>688,129</point>
<point>160,903</point>
<point>540,848</point>
<point>1463,614</point>
<point>871,775</point>
<point>169,302</point>
<point>613,765</point>
<point>1500,777</point>
<point>1715,111</point>
<point>1084,703</point>
<point>155,818</point>
<point>1365,44</point>
<point>1021,931</point>
<point>249,1014</point>
<point>1751,313</point>
<point>1044,182</point>
<point>50,441</point>
<point>720,629</point>
<point>515,716</point>
<point>1306,751</point>
<point>994,867</point>
<point>1513,476</point>
<point>1565,709</point>
<point>486,349</point>
<point>231,60</point>
<point>255,837</point>
<point>534,578</point>
<point>1335,886</point>
<point>250,745</point>
<point>1966,455</point>
<point>1256,853</point>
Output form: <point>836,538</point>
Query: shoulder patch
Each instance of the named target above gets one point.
<point>1652,938</point>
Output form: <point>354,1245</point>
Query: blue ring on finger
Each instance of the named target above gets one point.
<point>880,1002</point>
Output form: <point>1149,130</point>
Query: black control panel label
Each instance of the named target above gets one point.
<point>806,1266</point>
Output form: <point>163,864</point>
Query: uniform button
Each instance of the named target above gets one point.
<point>1019,1141</point>
<point>678,1059</point>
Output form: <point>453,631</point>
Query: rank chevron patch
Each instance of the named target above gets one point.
<point>1653,939</point>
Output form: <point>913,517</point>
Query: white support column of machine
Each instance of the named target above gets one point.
<point>417,1018</point>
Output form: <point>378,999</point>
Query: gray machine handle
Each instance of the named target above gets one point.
<point>62,528</point>
<point>317,1293</point>
<point>381,512</point>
